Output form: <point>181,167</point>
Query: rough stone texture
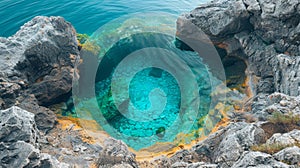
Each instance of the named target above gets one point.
<point>22,154</point>
<point>265,105</point>
<point>225,146</point>
<point>257,31</point>
<point>289,138</point>
<point>287,77</point>
<point>193,165</point>
<point>39,57</point>
<point>18,154</point>
<point>289,155</point>
<point>258,160</point>
<point>17,124</point>
<point>231,16</point>
<point>70,146</point>
<point>45,118</point>
<point>19,141</point>
<point>116,152</point>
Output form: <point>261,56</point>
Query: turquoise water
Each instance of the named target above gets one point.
<point>156,103</point>
<point>141,88</point>
<point>86,15</point>
<point>159,101</point>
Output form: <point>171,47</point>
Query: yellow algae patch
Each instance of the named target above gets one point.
<point>90,130</point>
<point>92,47</point>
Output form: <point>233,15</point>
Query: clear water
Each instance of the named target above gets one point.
<point>161,102</point>
<point>159,105</point>
<point>86,15</point>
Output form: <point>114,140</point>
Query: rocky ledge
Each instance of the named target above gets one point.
<point>37,67</point>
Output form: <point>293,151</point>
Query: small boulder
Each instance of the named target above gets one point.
<point>17,124</point>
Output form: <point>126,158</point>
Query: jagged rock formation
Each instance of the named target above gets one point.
<point>37,67</point>
<point>258,32</point>
<point>36,70</point>
<point>289,155</point>
<point>19,141</point>
<point>258,159</point>
<point>40,57</point>
<point>116,154</point>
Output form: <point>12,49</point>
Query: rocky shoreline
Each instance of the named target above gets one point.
<point>37,68</point>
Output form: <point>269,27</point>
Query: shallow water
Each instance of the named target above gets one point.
<point>161,102</point>
<point>86,15</point>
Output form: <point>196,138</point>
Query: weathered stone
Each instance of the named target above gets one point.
<point>290,155</point>
<point>218,18</point>
<point>47,160</point>
<point>254,24</point>
<point>225,146</point>
<point>265,105</point>
<point>40,56</point>
<point>289,138</point>
<point>45,119</point>
<point>259,160</point>
<point>116,152</point>
<point>18,154</point>
<point>287,78</point>
<point>17,124</point>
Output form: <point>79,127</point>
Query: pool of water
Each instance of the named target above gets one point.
<point>138,86</point>
<point>86,15</point>
<point>142,88</point>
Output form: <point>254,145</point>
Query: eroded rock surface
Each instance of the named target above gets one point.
<point>259,32</point>
<point>258,159</point>
<point>289,155</point>
<point>17,125</point>
<point>116,153</point>
<point>19,137</point>
<point>39,58</point>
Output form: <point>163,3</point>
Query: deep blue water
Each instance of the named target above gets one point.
<point>86,15</point>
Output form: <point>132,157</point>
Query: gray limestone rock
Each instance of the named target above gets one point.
<point>289,138</point>
<point>258,160</point>
<point>39,57</point>
<point>116,152</point>
<point>289,155</point>
<point>17,124</point>
<point>225,146</point>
